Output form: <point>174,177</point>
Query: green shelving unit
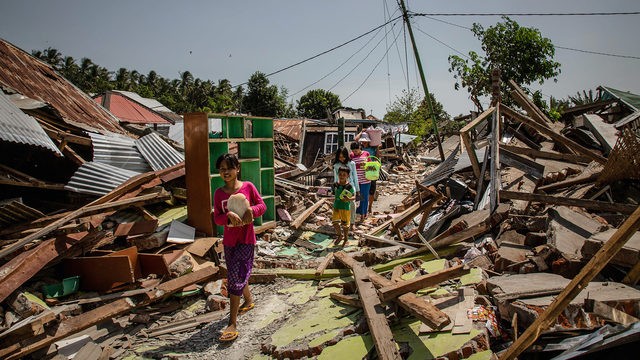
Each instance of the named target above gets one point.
<point>254,140</point>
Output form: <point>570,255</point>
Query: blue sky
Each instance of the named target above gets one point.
<point>232,39</point>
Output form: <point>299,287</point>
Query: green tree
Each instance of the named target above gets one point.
<point>522,54</point>
<point>409,108</point>
<point>315,103</point>
<point>263,99</point>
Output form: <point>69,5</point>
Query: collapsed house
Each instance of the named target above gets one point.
<point>522,238</point>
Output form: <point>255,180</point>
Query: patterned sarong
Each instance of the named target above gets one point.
<point>239,260</point>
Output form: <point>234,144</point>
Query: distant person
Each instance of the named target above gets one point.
<point>365,141</point>
<point>342,160</point>
<point>344,194</point>
<point>359,157</point>
<point>239,237</point>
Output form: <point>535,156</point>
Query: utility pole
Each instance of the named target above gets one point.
<point>424,81</point>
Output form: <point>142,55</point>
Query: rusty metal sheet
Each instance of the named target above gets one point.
<point>38,81</point>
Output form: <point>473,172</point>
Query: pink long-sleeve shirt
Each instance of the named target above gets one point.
<point>237,234</point>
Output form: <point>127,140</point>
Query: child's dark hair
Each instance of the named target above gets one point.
<point>230,159</point>
<point>341,150</point>
<point>344,169</point>
<point>355,145</point>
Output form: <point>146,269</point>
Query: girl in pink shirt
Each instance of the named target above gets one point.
<point>239,238</point>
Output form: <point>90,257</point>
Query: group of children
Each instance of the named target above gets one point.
<point>349,175</point>
<point>239,237</point>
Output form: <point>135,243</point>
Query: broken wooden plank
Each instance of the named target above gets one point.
<point>633,276</point>
<point>420,282</point>
<point>579,282</point>
<point>538,154</point>
<point>608,312</point>
<point>468,144</point>
<point>73,325</point>
<point>587,204</point>
<point>553,135</point>
<point>388,241</point>
<point>421,309</point>
<point>323,264</point>
<point>374,312</point>
<point>305,214</point>
<point>578,180</point>
<point>351,300</point>
<point>83,211</point>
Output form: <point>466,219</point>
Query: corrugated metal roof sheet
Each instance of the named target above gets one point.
<point>152,104</point>
<point>13,211</point>
<point>97,179</point>
<point>129,110</point>
<point>630,99</point>
<point>157,152</point>
<point>291,128</point>
<point>18,127</point>
<point>118,151</point>
<point>36,80</point>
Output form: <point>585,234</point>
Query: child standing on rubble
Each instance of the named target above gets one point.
<point>342,160</point>
<point>359,157</point>
<point>239,238</point>
<point>344,194</point>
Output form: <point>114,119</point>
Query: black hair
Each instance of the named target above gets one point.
<point>344,169</point>
<point>355,145</point>
<point>230,159</point>
<point>341,150</point>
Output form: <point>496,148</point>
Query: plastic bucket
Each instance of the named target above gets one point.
<point>372,168</point>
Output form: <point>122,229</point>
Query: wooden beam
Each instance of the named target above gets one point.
<point>305,214</point>
<point>579,282</point>
<point>75,324</point>
<point>554,200</point>
<point>523,100</point>
<point>323,264</point>
<point>351,300</point>
<point>538,154</point>
<point>633,276</point>
<point>83,211</point>
<point>388,241</point>
<point>577,180</point>
<point>421,309</point>
<point>552,134</point>
<point>420,282</point>
<point>468,144</point>
<point>374,312</point>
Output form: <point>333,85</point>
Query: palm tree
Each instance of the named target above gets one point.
<point>122,79</point>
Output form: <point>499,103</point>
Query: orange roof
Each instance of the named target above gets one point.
<point>128,110</point>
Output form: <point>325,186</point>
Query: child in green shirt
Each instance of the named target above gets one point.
<point>344,193</point>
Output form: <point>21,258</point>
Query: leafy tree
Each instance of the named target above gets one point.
<point>522,54</point>
<point>409,108</point>
<point>263,99</point>
<point>315,103</point>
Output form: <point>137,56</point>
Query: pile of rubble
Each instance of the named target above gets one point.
<point>521,242</point>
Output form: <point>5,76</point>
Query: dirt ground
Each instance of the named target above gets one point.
<point>202,343</point>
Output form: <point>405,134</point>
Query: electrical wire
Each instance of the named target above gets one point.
<point>442,42</point>
<point>326,51</point>
<point>358,64</point>
<point>338,67</point>
<point>529,14</point>
<point>374,69</point>
<point>556,46</point>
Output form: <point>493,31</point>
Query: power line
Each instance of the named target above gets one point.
<point>599,53</point>
<point>339,66</point>
<point>530,14</point>
<point>358,64</point>
<point>327,51</point>
<point>374,69</point>
<point>442,42</point>
<point>556,46</point>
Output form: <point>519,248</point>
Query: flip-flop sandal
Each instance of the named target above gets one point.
<point>228,336</point>
<point>244,309</point>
